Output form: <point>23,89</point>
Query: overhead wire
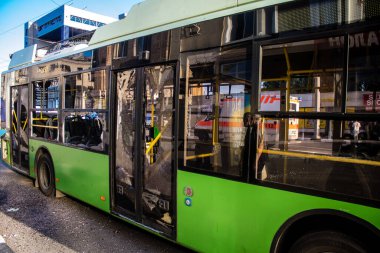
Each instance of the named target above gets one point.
<point>55,2</point>
<point>4,63</point>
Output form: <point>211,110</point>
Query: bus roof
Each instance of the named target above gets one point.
<point>153,16</point>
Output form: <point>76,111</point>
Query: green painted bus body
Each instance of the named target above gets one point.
<point>224,215</point>
<point>6,151</point>
<point>79,173</point>
<point>230,216</point>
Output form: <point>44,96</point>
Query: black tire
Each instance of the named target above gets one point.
<point>326,241</point>
<point>45,175</point>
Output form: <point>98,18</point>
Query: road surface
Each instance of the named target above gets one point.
<point>31,222</point>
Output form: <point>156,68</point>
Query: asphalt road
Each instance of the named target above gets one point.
<point>31,222</point>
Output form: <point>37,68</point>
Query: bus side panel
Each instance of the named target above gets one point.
<point>228,216</point>
<point>79,173</point>
<point>5,151</point>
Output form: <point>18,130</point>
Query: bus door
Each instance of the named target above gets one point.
<point>20,128</point>
<point>144,146</point>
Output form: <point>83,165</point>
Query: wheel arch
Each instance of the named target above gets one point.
<point>324,219</point>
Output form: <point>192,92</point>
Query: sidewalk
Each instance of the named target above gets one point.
<point>4,247</point>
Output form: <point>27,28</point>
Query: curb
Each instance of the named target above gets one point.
<point>4,248</point>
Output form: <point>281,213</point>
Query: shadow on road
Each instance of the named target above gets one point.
<point>72,223</point>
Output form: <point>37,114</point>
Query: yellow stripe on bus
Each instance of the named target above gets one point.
<point>322,157</point>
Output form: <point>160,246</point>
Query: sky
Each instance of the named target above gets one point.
<point>14,13</point>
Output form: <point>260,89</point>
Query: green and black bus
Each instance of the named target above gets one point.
<point>221,125</point>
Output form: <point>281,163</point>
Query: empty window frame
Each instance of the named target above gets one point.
<point>308,73</point>
<point>85,116</point>
<point>346,163</point>
<point>364,72</point>
<point>217,93</point>
<point>86,91</point>
<point>46,100</point>
<point>317,152</point>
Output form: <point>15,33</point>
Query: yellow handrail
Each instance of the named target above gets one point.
<point>275,79</point>
<point>44,126</point>
<point>15,115</point>
<point>199,156</point>
<point>26,121</point>
<point>150,148</point>
<point>43,119</point>
<point>14,127</point>
<point>152,143</point>
<point>322,157</point>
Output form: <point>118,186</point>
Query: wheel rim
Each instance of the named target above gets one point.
<point>45,175</point>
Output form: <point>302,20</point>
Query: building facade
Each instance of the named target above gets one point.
<point>62,24</point>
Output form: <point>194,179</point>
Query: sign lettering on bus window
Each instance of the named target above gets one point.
<point>370,102</point>
<point>357,40</point>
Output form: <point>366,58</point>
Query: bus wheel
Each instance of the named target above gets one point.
<point>45,175</point>
<point>326,241</point>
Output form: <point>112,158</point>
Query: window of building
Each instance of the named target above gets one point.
<point>86,21</point>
